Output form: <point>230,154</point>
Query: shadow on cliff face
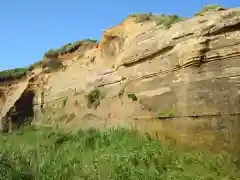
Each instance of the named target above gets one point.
<point>22,113</point>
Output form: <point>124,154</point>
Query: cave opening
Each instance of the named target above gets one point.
<point>22,113</point>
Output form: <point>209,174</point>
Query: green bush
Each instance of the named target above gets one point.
<point>167,21</point>
<point>13,74</point>
<point>51,54</point>
<point>142,17</point>
<point>94,97</point>
<point>52,64</point>
<point>67,48</point>
<point>43,154</point>
<point>213,7</point>
<point>132,96</point>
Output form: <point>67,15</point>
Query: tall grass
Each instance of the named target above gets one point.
<point>115,155</point>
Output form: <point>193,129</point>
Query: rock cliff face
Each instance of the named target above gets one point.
<point>180,83</point>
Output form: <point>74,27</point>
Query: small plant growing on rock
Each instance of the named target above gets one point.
<point>94,97</point>
<point>132,96</point>
<point>170,112</point>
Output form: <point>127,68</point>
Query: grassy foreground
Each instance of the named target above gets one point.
<point>114,155</point>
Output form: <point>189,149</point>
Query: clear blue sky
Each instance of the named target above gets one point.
<point>29,28</point>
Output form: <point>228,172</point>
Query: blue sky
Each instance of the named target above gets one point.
<point>29,28</point>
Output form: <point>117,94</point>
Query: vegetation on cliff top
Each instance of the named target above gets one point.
<point>67,48</point>
<point>168,20</point>
<point>115,154</point>
<point>161,19</point>
<point>18,73</point>
<point>213,7</point>
<point>13,74</point>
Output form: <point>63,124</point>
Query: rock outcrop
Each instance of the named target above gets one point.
<point>184,79</point>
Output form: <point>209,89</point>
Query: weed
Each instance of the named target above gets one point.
<point>94,97</point>
<point>132,96</point>
<point>114,154</point>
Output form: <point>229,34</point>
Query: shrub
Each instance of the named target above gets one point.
<point>213,7</point>
<point>67,48</point>
<point>167,21</point>
<point>13,74</point>
<point>94,97</point>
<point>52,64</point>
<point>142,17</point>
<point>132,96</point>
<point>51,54</point>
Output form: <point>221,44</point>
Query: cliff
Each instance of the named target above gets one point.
<point>172,78</point>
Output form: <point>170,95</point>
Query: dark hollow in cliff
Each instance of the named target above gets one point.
<point>22,113</point>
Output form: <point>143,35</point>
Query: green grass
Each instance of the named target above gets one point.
<point>141,17</point>
<point>67,48</point>
<point>115,155</point>
<point>52,64</point>
<point>166,21</point>
<point>13,74</point>
<point>213,7</point>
